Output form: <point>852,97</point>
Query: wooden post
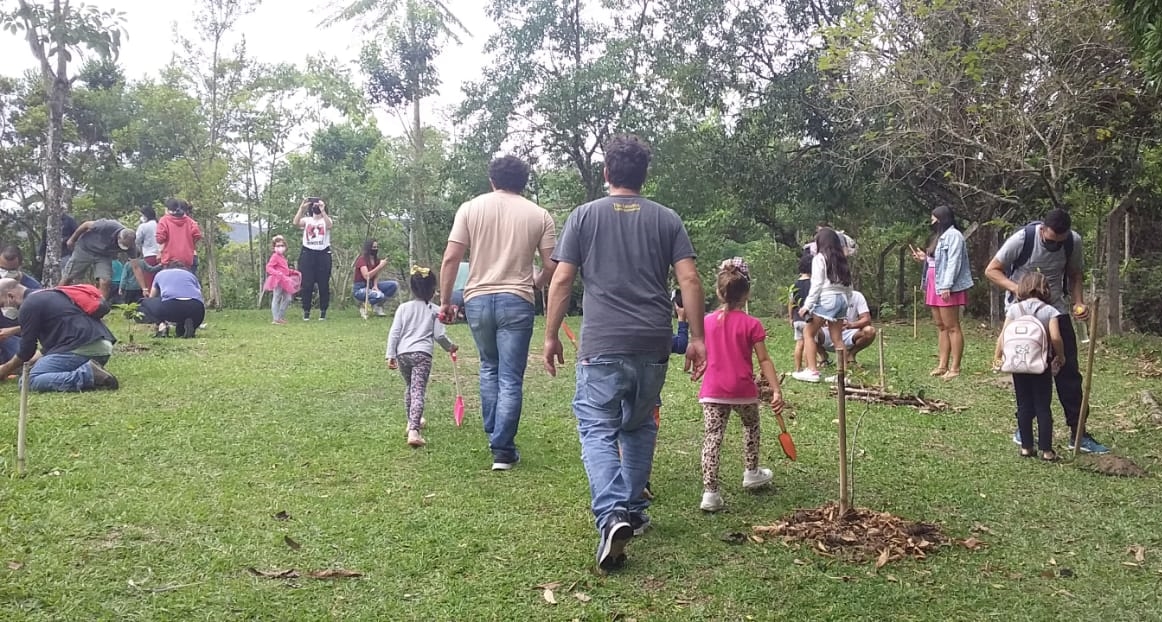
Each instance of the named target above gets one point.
<point>883,382</point>
<point>915,312</point>
<point>22,421</point>
<point>841,393</point>
<point>1088,382</point>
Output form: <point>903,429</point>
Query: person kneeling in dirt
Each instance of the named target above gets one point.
<point>858,333</point>
<point>75,344</point>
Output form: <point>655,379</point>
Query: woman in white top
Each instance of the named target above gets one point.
<point>150,249</point>
<point>315,256</point>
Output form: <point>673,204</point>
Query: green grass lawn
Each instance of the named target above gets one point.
<point>152,502</point>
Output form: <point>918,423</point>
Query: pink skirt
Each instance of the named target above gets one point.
<point>933,299</point>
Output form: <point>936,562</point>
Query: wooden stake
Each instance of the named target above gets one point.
<point>883,384</point>
<point>1085,389</point>
<point>22,421</point>
<point>841,394</point>
<point>915,312</point>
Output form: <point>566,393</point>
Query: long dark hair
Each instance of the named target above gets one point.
<point>945,220</point>
<point>371,258</point>
<point>827,244</point>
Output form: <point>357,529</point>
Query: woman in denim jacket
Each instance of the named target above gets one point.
<point>948,280</point>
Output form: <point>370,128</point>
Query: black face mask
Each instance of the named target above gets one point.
<point>1052,245</point>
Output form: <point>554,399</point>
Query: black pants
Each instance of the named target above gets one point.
<point>315,267</point>
<point>1035,399</point>
<point>1069,378</point>
<point>157,310</point>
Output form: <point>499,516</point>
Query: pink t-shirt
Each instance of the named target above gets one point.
<point>730,342</point>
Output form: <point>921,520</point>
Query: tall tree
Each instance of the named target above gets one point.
<point>54,35</point>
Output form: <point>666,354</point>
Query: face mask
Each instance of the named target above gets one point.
<point>1052,245</point>
<point>281,250</point>
<point>123,247</point>
<point>10,274</point>
<point>142,220</point>
<point>11,313</point>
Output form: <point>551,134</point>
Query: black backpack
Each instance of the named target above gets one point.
<point>1027,252</point>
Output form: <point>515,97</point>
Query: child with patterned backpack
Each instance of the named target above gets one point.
<point>1023,349</point>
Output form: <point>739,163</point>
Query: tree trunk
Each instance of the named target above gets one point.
<point>1113,286</point>
<point>54,194</point>
<point>881,272</point>
<point>416,241</point>
<point>996,304</point>
<point>901,280</point>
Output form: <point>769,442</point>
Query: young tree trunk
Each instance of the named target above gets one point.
<point>996,303</point>
<point>901,286</point>
<point>1114,240</point>
<point>54,194</point>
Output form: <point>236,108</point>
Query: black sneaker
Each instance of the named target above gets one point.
<point>639,522</point>
<point>616,533</point>
<point>190,327</point>
<point>102,379</point>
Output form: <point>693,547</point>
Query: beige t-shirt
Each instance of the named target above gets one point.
<point>503,232</point>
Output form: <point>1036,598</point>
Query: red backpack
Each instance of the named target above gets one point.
<point>87,297</point>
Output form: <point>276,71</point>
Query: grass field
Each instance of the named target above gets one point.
<point>152,502</point>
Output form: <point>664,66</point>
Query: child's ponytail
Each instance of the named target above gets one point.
<point>733,285</point>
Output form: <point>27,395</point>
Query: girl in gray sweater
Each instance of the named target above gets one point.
<point>414,329</point>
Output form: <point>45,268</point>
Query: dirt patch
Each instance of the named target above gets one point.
<point>861,536</point>
<point>1108,464</point>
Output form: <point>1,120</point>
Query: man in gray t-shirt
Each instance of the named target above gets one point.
<point>1055,252</point>
<point>95,244</point>
<point>623,246</point>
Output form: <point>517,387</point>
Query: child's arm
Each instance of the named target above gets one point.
<point>1058,343</point>
<point>767,366</point>
<point>441,335</point>
<point>818,279</point>
<point>393,340</point>
<point>998,351</point>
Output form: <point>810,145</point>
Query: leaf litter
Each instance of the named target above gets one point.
<point>861,536</point>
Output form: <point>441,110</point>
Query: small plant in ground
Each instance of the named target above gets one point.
<point>132,313</point>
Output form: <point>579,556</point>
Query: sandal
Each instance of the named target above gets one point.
<point>1049,456</point>
<point>1027,453</point>
<point>939,371</point>
<point>950,374</point>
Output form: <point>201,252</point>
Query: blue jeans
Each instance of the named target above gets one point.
<point>381,292</point>
<point>8,348</point>
<point>502,327</point>
<point>614,405</point>
<point>62,373</point>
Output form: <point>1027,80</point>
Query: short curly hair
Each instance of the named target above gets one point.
<point>509,173</point>
<point>627,158</point>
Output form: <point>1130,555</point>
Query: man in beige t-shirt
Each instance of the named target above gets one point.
<point>504,231</point>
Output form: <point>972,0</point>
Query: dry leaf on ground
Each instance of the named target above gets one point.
<point>548,586</point>
<point>549,597</point>
<point>281,515</point>
<point>884,558</point>
<point>1139,553</point>
<point>294,546</point>
<point>972,544</point>
<point>582,596</point>
<point>334,573</point>
<point>289,573</point>
<point>15,565</point>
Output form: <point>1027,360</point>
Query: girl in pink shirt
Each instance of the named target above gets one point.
<point>732,338</point>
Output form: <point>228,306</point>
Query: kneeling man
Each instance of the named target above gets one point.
<point>858,333</point>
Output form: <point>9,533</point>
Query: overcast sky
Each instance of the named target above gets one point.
<point>278,31</point>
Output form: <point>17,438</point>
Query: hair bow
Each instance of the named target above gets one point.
<point>424,272</point>
<point>737,263</point>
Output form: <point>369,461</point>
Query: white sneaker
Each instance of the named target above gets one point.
<point>423,422</point>
<point>806,375</point>
<point>711,502</point>
<point>379,311</point>
<point>757,478</point>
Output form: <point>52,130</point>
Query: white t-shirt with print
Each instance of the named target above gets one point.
<point>316,233</point>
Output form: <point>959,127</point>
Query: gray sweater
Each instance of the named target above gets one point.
<point>414,328</point>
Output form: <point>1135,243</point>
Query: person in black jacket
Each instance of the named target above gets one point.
<point>74,344</point>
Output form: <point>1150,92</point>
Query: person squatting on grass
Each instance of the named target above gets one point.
<point>624,246</point>
<point>827,301</point>
<point>282,281</point>
<point>732,337</point>
<point>176,298</point>
<point>1034,392</point>
<point>503,230</point>
<point>1055,251</point>
<point>414,328</point>
<point>74,345</point>
<point>799,291</point>
<point>368,267</point>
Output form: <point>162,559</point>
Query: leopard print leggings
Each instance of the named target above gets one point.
<point>415,367</point>
<point>715,416</point>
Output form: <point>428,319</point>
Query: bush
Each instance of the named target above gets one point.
<point>1143,290</point>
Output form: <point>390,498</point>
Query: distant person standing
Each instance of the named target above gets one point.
<point>504,230</point>
<point>178,234</point>
<point>315,256</point>
<point>147,244</point>
<point>623,246</point>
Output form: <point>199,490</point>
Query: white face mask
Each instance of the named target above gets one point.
<point>11,313</point>
<point>10,274</point>
<point>143,220</point>
<point>281,250</point>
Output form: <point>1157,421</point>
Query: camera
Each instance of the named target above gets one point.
<point>313,206</point>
